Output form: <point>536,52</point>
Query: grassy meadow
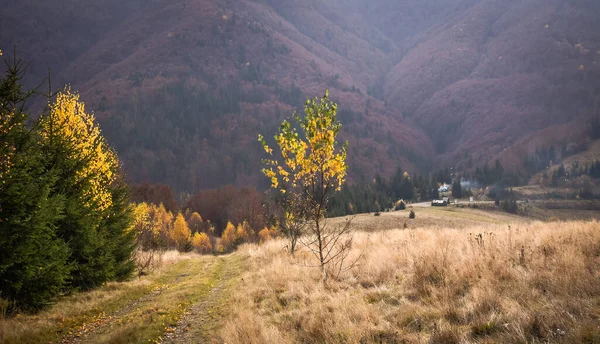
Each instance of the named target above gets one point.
<point>512,282</point>
<point>452,275</point>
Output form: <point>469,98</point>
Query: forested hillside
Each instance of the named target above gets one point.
<point>182,87</point>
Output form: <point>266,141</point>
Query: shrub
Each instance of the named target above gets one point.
<point>510,206</point>
<point>400,205</point>
<point>412,215</point>
<point>267,234</point>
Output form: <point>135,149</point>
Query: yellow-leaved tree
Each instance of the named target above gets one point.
<point>76,134</point>
<point>229,236</point>
<point>267,234</point>
<point>181,234</point>
<point>243,233</point>
<point>201,242</point>
<point>309,170</point>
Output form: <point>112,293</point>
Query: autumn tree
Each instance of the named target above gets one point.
<point>162,222</point>
<point>229,236</point>
<point>201,243</point>
<point>195,223</point>
<point>312,168</point>
<point>181,234</point>
<point>267,234</point>
<point>154,194</point>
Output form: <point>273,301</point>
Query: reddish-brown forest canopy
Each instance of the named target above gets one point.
<point>182,87</point>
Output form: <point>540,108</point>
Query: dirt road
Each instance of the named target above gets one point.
<point>183,302</point>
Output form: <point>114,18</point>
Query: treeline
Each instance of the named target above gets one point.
<point>562,174</point>
<point>230,217</point>
<point>159,229</point>
<point>590,169</point>
<point>579,176</point>
<point>383,193</point>
<point>64,210</point>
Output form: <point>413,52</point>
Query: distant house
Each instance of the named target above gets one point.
<point>444,188</point>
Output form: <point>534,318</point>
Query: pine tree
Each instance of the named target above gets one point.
<point>33,260</point>
<point>457,189</point>
<point>120,238</point>
<point>87,176</point>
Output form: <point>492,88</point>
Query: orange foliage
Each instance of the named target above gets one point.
<point>201,243</point>
<point>267,234</point>
<point>264,235</point>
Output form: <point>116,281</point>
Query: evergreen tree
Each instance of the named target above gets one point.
<point>457,189</point>
<point>87,177</point>
<point>120,243</point>
<point>33,267</point>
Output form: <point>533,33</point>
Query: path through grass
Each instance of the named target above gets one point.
<point>154,309</point>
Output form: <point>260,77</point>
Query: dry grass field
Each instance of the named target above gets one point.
<point>452,275</point>
<point>530,282</point>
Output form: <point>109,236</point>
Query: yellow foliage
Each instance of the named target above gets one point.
<point>243,233</point>
<point>201,243</point>
<point>7,149</point>
<point>68,125</point>
<point>141,218</point>
<point>195,222</point>
<point>267,234</point>
<point>314,159</point>
<point>210,228</point>
<point>229,236</point>
<point>163,222</point>
<point>181,233</point>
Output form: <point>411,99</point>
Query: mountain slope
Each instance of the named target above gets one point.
<point>183,87</point>
<point>502,71</point>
